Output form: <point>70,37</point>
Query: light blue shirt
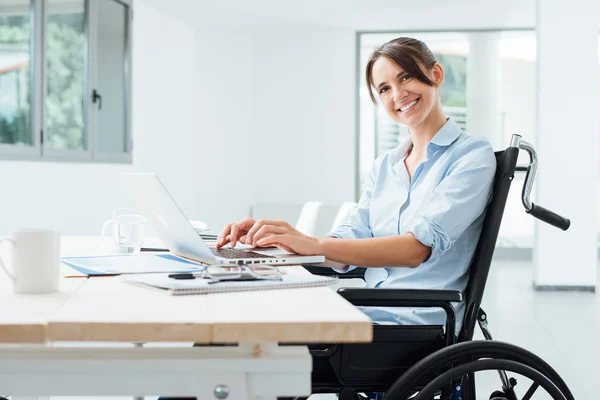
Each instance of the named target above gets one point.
<point>445,207</point>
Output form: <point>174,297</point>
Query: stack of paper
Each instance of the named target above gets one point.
<point>172,286</point>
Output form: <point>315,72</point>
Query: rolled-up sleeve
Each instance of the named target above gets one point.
<point>458,200</point>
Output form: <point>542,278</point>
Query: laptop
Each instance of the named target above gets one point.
<point>155,203</point>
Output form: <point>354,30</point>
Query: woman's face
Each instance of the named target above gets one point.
<point>405,99</point>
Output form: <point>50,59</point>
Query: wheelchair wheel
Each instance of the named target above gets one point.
<point>498,395</point>
<point>485,365</point>
<point>452,357</point>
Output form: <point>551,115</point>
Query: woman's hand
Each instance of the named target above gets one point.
<point>284,236</point>
<point>235,232</point>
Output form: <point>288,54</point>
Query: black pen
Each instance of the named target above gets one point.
<point>187,275</point>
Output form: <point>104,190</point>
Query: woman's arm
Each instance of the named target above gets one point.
<point>389,251</point>
<point>399,250</point>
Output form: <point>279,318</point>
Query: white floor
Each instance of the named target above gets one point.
<point>563,328</point>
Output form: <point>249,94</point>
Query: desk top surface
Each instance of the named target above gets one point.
<point>107,309</point>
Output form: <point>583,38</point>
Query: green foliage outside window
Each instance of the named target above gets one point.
<point>14,124</point>
<point>65,77</point>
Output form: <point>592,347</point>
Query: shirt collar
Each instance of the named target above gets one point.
<point>449,132</point>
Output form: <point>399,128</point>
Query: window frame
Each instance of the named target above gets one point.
<point>38,12</point>
<point>92,22</point>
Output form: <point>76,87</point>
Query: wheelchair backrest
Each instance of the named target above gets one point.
<point>506,162</point>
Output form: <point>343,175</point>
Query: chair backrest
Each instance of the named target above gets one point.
<point>506,162</point>
<point>343,213</point>
<point>307,221</point>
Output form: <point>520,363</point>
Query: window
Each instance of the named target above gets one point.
<point>65,80</point>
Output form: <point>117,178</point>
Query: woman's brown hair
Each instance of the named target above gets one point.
<point>412,55</point>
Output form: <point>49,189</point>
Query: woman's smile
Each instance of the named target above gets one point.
<point>408,106</point>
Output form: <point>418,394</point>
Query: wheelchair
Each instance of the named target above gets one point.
<point>429,361</point>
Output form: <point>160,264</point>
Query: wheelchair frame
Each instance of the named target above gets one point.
<point>448,362</point>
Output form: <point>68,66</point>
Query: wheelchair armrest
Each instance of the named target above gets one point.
<point>323,271</point>
<point>386,297</point>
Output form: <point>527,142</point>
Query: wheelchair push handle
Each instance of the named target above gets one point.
<point>549,217</point>
<point>539,212</point>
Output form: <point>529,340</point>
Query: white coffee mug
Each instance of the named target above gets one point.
<point>35,266</point>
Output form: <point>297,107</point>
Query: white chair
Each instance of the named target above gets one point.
<point>307,221</point>
<point>343,213</point>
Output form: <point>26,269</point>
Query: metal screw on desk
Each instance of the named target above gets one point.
<point>221,391</point>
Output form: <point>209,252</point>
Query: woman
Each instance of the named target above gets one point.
<point>421,211</point>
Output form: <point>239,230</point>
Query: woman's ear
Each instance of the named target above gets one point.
<point>438,75</point>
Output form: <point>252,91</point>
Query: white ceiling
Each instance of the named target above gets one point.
<point>371,15</point>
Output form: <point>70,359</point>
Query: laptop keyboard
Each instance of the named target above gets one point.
<point>235,253</point>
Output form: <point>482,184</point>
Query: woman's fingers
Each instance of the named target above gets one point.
<point>223,237</point>
<point>233,235</point>
<point>280,241</point>
<point>232,232</point>
<point>265,231</point>
<point>274,240</point>
<point>235,231</point>
<point>259,224</point>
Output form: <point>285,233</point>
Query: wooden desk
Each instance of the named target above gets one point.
<point>104,309</point>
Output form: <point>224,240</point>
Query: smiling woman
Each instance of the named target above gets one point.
<point>420,213</point>
<point>411,55</point>
<point>407,78</point>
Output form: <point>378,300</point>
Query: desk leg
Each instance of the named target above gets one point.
<point>138,345</point>
<point>33,346</point>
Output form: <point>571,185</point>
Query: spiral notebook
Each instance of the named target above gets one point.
<point>176,287</point>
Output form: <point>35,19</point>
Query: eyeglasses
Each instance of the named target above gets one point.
<point>241,272</point>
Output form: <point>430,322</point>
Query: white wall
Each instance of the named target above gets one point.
<point>570,137</point>
<point>304,114</point>
<point>78,197</point>
<point>164,101</point>
<point>225,155</point>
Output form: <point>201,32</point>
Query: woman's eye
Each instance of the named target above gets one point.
<point>383,90</point>
<point>405,78</point>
